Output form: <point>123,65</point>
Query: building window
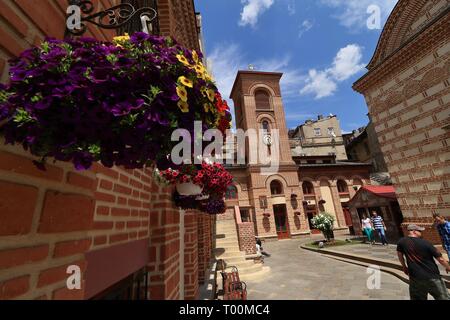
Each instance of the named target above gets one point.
<point>357,184</point>
<point>262,99</point>
<point>265,126</point>
<point>308,188</point>
<point>133,287</point>
<point>331,132</point>
<point>366,148</point>
<point>263,202</point>
<point>231,193</point>
<point>342,186</point>
<point>317,132</point>
<point>276,188</point>
<point>245,215</point>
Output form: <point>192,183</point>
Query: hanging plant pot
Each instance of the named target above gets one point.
<point>189,189</point>
<point>202,197</point>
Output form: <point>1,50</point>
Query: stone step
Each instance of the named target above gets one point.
<point>226,242</point>
<point>230,255</point>
<point>226,227</point>
<point>236,260</point>
<point>243,270</point>
<point>221,250</point>
<point>261,275</point>
<point>227,237</point>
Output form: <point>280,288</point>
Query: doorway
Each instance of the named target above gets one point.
<point>281,221</point>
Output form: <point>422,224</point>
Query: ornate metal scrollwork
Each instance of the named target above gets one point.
<point>113,18</point>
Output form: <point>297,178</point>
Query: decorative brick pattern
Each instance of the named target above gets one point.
<point>246,237</point>
<point>191,284</point>
<point>408,98</point>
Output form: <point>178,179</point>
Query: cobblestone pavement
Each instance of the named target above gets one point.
<point>298,274</point>
<point>377,252</point>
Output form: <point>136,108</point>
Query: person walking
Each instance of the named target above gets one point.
<point>380,227</point>
<point>423,272</point>
<point>367,226</point>
<point>443,227</point>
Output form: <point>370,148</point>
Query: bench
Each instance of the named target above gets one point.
<point>233,287</point>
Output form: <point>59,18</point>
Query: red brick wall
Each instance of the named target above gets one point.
<point>27,22</point>
<point>204,245</point>
<point>191,284</point>
<point>246,236</point>
<point>52,219</point>
<point>430,233</point>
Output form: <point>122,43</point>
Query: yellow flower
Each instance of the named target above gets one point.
<point>121,39</point>
<point>182,93</point>
<point>183,60</point>
<point>184,106</point>
<point>186,81</point>
<point>208,107</point>
<point>195,56</point>
<point>211,95</point>
<point>200,69</point>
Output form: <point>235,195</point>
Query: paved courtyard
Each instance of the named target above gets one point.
<point>298,274</point>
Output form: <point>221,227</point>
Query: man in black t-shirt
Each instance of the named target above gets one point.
<point>424,275</point>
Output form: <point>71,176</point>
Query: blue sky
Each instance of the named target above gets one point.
<point>322,46</point>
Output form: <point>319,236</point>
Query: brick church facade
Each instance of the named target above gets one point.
<point>407,90</point>
<point>119,227</point>
<point>281,205</point>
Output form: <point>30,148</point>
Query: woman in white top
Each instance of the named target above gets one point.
<point>367,226</point>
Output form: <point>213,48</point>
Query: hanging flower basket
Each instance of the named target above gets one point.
<point>266,214</point>
<point>199,187</point>
<point>84,100</point>
<point>189,189</point>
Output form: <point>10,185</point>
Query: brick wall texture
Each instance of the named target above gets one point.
<point>407,90</point>
<point>50,220</point>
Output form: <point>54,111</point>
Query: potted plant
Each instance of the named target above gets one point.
<point>83,100</point>
<point>325,223</point>
<point>204,186</point>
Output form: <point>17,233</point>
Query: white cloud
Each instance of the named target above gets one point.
<point>226,59</point>
<point>320,84</point>
<point>252,10</point>
<point>224,62</point>
<point>353,13</point>
<point>305,27</point>
<point>291,7</point>
<point>346,63</point>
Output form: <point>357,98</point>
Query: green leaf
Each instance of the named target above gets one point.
<point>22,116</point>
<point>94,149</point>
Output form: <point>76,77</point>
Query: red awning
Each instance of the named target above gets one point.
<point>381,191</point>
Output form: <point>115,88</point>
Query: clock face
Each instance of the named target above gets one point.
<point>267,139</point>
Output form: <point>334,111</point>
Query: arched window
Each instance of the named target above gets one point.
<point>308,188</point>
<point>276,187</point>
<point>262,99</point>
<point>232,193</point>
<point>265,126</point>
<point>342,186</point>
<point>357,184</point>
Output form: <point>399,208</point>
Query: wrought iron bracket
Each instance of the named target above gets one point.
<point>113,18</point>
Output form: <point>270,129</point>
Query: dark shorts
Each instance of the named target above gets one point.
<point>419,289</point>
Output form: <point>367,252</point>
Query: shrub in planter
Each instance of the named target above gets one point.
<point>324,222</point>
<point>84,100</point>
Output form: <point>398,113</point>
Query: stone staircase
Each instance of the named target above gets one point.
<point>227,248</point>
